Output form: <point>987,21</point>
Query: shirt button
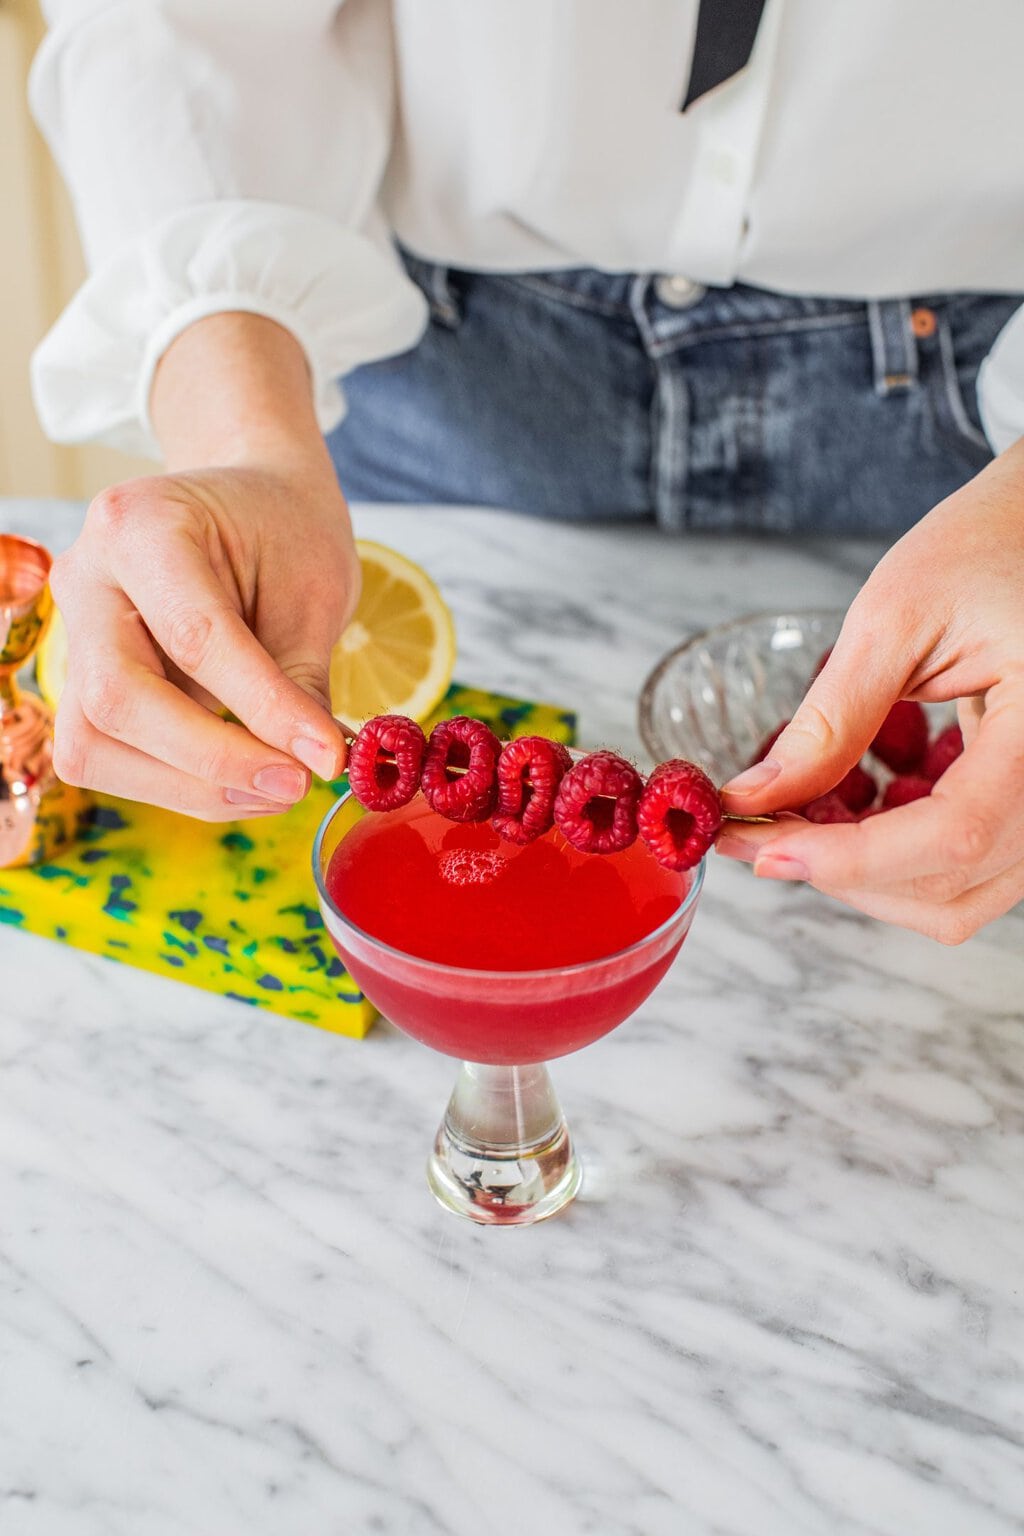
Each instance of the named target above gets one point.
<point>723,166</point>
<point>678,292</point>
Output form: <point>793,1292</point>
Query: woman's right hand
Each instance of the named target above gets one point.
<point>224,588</point>
<point>211,590</point>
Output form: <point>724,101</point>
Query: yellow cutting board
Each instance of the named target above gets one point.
<point>228,907</point>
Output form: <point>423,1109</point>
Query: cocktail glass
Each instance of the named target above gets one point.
<point>503,1154</point>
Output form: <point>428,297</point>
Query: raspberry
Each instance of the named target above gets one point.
<point>459,777</point>
<point>530,770</point>
<point>828,809</point>
<point>767,744</point>
<point>679,814</point>
<point>595,807</point>
<point>384,762</point>
<point>857,790</point>
<point>902,737</point>
<point>905,788</point>
<point>945,749</point>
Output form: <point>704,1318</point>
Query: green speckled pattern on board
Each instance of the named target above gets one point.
<point>229,907</point>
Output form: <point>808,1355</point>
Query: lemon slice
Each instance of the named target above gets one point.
<point>398,652</point>
<point>395,657</point>
<point>52,660</point>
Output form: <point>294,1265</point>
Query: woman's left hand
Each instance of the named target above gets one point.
<point>940,618</point>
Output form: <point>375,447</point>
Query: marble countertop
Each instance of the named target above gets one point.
<point>787,1301</point>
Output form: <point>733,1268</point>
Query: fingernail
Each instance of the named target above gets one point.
<point>779,866</point>
<point>735,846</point>
<point>250,804</point>
<point>279,782</point>
<point>317,756</point>
<point>754,778</point>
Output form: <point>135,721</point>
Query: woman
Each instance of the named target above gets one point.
<point>729,265</point>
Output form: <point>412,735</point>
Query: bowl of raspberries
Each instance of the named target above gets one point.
<point>721,698</point>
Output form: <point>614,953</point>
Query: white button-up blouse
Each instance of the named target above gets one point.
<point>262,154</point>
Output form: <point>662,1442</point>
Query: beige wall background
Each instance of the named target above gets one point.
<point>40,267</point>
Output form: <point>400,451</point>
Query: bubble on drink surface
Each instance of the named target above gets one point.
<point>471,866</point>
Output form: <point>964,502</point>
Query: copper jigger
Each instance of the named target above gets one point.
<point>37,812</point>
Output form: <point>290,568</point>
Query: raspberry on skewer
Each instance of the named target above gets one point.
<point>384,762</point>
<point>459,776</point>
<point>530,770</point>
<point>595,808</point>
<point>679,814</point>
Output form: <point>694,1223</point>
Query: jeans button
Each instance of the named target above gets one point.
<point>678,292</point>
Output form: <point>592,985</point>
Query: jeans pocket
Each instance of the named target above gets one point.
<point>965,331</point>
<point>436,282</point>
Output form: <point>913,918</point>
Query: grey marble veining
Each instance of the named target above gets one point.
<point>787,1302</point>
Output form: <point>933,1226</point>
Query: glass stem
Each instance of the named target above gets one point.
<point>499,1108</point>
<point>503,1154</point>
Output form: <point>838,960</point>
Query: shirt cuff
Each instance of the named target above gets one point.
<point>1001,386</point>
<point>342,294</point>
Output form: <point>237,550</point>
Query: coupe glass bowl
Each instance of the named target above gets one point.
<point>716,697</point>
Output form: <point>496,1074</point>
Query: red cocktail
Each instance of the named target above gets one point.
<point>506,957</point>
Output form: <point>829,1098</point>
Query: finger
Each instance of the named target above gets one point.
<point>969,714</point>
<point>972,824</point>
<point>188,685</point>
<point>931,905</point>
<point>837,720</point>
<point>303,653</point>
<point>193,621</point>
<point>83,755</point>
<point>194,690</point>
<point>950,922</point>
<point>121,690</point>
<point>299,627</point>
<point>955,849</point>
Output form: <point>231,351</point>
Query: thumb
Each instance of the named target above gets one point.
<point>309,666</point>
<point>304,656</point>
<point>833,727</point>
<point>300,619</point>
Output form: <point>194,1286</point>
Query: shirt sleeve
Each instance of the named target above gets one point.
<point>1001,386</point>
<point>223,156</point>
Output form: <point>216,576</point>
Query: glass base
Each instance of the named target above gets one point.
<point>503,1155</point>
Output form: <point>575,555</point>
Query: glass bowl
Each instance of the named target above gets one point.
<point>715,698</point>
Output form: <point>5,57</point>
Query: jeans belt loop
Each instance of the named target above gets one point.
<point>444,302</point>
<point>893,346</point>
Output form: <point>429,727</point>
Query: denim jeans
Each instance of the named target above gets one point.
<point>581,394</point>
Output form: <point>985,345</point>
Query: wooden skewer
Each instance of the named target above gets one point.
<point>766,821</point>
